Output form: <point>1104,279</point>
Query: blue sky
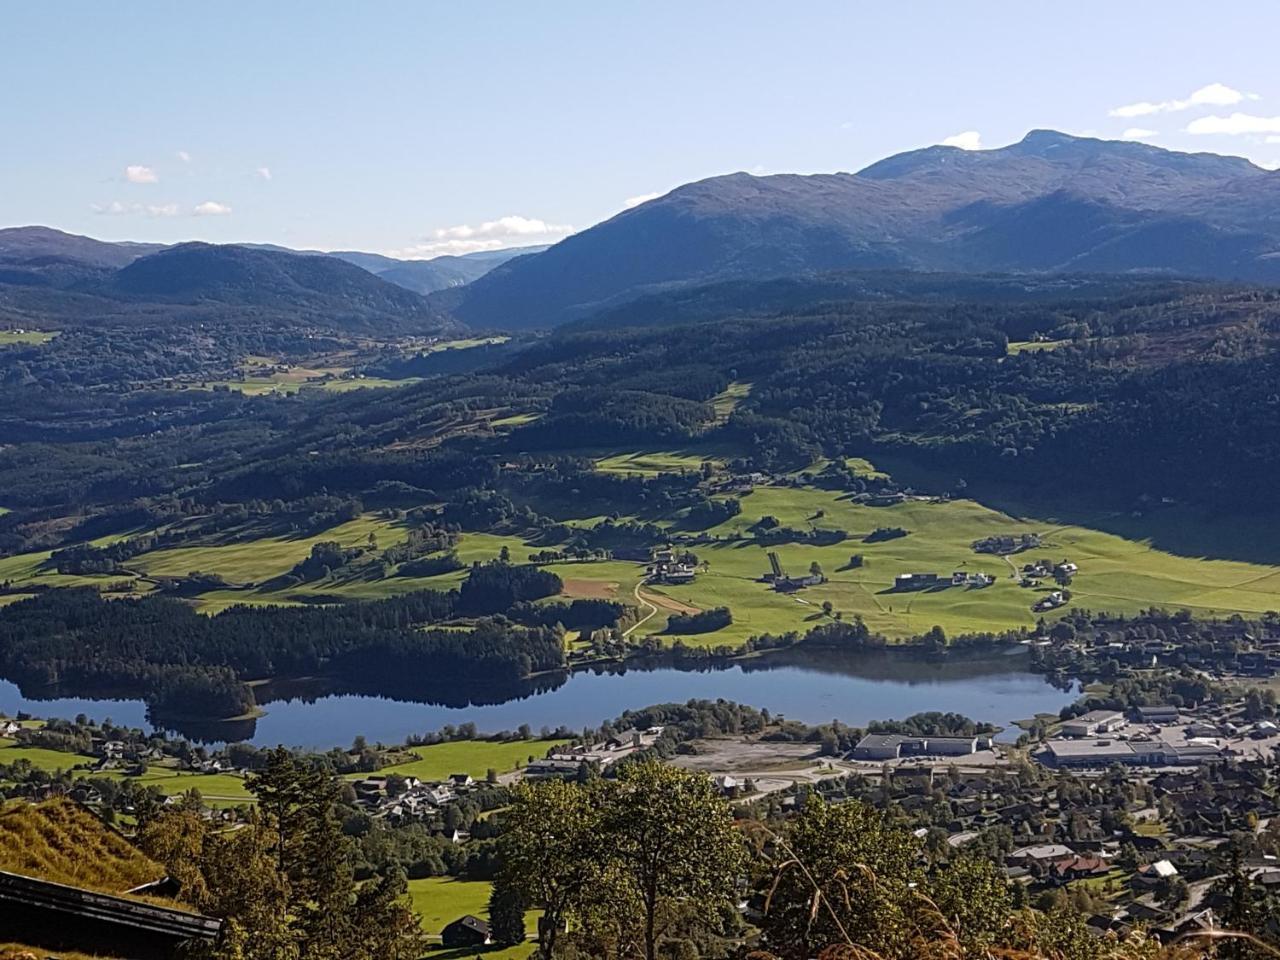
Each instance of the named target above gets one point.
<point>425,128</point>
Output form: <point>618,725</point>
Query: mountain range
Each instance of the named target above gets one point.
<point>1049,203</point>
<point>47,276</point>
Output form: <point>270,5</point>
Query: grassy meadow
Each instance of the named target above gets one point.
<point>441,900</point>
<point>475,757</point>
<point>218,789</point>
<point>1171,558</point>
<point>23,337</point>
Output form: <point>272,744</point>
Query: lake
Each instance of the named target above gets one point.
<point>811,686</point>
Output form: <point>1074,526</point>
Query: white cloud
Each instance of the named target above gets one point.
<point>1234,125</point>
<point>184,156</point>
<point>137,173</point>
<point>117,209</point>
<point>1139,133</point>
<point>263,173</point>
<point>969,140</point>
<point>1214,95</point>
<point>210,208</point>
<point>511,231</point>
<point>642,198</point>
<point>1274,138</point>
<point>1270,164</point>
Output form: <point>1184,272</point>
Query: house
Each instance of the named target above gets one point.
<point>370,787</point>
<point>1154,874</point>
<point>9,728</point>
<point>58,917</point>
<point>1095,721</point>
<point>727,785</point>
<point>1077,867</point>
<point>461,779</point>
<point>916,581</point>
<point>466,931</point>
<point>1038,853</point>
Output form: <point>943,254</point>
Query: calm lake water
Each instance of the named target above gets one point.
<point>812,686</point>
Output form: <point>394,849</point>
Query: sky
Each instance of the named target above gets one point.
<point>421,128</point>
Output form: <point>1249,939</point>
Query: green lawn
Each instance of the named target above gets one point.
<point>47,760</point>
<point>1032,346</point>
<point>474,757</point>
<point>218,789</point>
<point>441,900</point>
<point>9,337</point>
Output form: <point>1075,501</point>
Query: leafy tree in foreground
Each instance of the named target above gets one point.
<point>549,851</point>
<point>672,840</point>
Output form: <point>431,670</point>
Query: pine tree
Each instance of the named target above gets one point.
<point>506,915</point>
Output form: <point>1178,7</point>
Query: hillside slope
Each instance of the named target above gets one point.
<point>1051,202</point>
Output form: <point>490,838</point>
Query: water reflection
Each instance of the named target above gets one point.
<point>809,685</point>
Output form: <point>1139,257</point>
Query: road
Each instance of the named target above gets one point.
<point>646,618</point>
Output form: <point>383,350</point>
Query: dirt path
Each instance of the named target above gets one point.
<point>648,616</point>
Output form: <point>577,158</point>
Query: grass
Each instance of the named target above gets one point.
<point>62,843</point>
<point>264,558</point>
<point>475,757</point>
<point>441,900</point>
<point>218,789</point>
<point>725,402</point>
<point>11,337</point>
<point>41,758</point>
<point>652,462</point>
<point>1117,573</point>
<point>1033,346</point>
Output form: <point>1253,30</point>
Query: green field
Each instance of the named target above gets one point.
<point>475,757</point>
<point>1117,574</point>
<point>725,402</point>
<point>9,337</point>
<point>441,900</point>
<point>1032,346</point>
<point>219,789</point>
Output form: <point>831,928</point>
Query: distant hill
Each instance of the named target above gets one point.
<point>438,273</point>
<point>231,286</point>
<point>44,257</point>
<point>1050,203</point>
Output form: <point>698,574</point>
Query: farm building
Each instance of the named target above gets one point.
<point>467,931</point>
<point>916,581</point>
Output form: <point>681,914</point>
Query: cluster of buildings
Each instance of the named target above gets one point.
<point>784,582</point>
<point>412,800</point>
<point>1153,736</point>
<point>669,567</point>
<point>931,581</point>
<point>1007,544</point>
<point>570,762</point>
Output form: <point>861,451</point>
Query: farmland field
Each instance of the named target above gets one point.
<point>475,757</point>
<point>1126,563</point>
<point>1117,574</point>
